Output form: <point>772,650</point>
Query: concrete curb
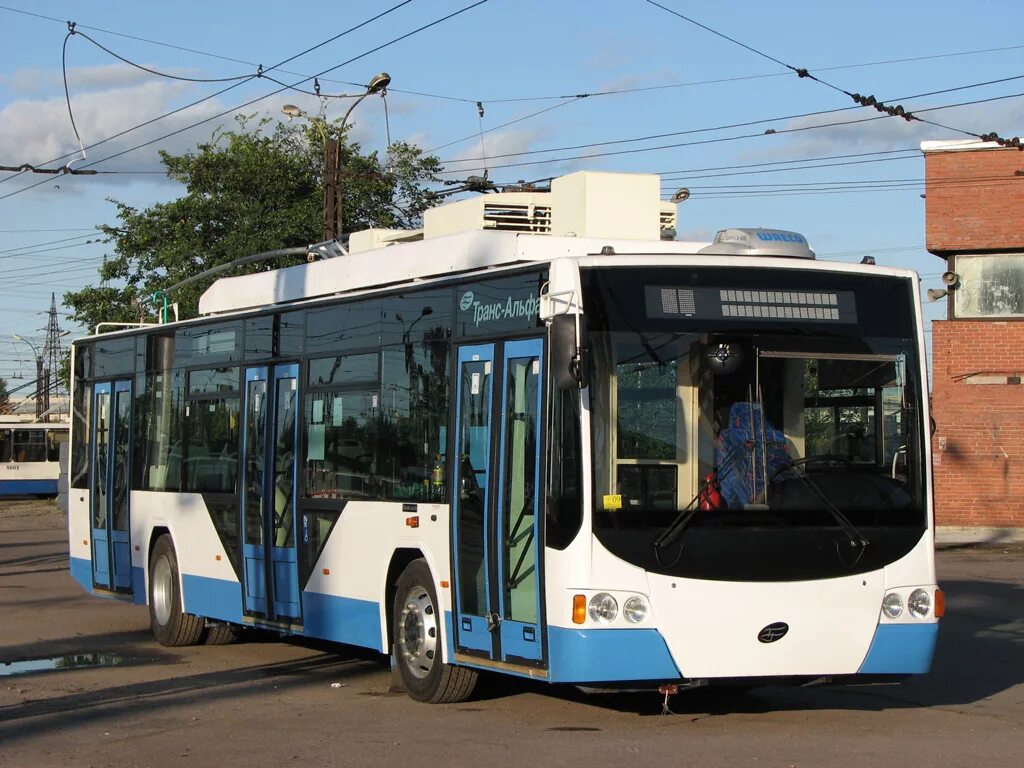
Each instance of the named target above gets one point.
<point>953,536</point>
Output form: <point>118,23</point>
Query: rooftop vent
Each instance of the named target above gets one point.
<point>759,242</point>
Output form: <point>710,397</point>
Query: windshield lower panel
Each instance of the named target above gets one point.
<point>756,425</point>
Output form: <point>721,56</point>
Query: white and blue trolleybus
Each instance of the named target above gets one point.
<point>29,456</point>
<point>538,436</point>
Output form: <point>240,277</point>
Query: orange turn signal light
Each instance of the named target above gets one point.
<point>579,609</point>
<point>940,603</point>
<point>413,522</point>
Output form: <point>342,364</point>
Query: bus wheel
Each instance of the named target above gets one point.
<point>222,634</point>
<point>170,626</point>
<point>417,642</point>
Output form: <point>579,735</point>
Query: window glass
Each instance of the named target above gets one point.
<point>291,334</point>
<point>201,345</point>
<point>415,317</point>
<point>5,445</point>
<point>159,431</point>
<point>54,438</point>
<point>499,305</point>
<point>344,328</point>
<point>414,418</point>
<point>259,338</point>
<point>29,445</point>
<point>989,286</point>
<point>341,442</point>
<point>348,370</point>
<point>212,381</point>
<point>78,474</point>
<point>211,454</point>
<point>565,490</point>
<point>114,357</point>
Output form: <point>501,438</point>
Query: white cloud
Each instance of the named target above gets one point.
<point>35,81</point>
<point>37,131</point>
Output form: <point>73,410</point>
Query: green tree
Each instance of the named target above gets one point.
<point>5,398</point>
<point>253,189</point>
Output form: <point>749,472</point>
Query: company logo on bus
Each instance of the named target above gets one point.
<point>509,309</point>
<point>466,301</point>
<point>773,632</point>
<point>781,237</point>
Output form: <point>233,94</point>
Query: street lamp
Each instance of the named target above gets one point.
<point>40,376</point>
<point>332,154</point>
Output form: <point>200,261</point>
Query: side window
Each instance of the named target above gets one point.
<point>565,490</point>
<point>5,445</point>
<point>54,439</point>
<point>210,454</point>
<point>342,424</point>
<point>29,445</point>
<point>78,474</point>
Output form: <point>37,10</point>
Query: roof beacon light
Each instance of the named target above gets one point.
<point>759,242</point>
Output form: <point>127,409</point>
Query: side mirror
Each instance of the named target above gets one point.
<point>567,353</point>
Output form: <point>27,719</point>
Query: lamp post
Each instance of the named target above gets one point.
<point>42,391</point>
<point>332,155</point>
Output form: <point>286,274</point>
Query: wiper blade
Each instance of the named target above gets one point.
<point>857,539</point>
<point>675,528</point>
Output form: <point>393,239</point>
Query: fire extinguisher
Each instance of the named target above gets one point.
<point>710,497</point>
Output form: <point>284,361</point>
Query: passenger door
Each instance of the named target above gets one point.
<point>269,486</point>
<point>496,509</point>
<point>111,484</point>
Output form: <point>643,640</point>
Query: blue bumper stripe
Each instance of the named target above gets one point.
<point>19,487</point>
<point>81,571</point>
<point>608,655</point>
<point>342,619</point>
<point>212,598</point>
<point>901,649</point>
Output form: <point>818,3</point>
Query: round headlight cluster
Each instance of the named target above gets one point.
<point>603,608</point>
<point>919,604</point>
<point>892,605</point>
<point>635,610</point>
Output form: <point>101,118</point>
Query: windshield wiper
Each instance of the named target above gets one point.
<point>857,539</point>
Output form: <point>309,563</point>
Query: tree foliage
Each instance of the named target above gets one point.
<point>5,398</point>
<point>256,188</point>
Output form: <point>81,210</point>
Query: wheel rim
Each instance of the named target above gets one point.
<point>163,590</point>
<point>417,632</point>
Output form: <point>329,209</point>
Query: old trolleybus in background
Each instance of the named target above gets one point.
<point>29,456</point>
<point>535,437</point>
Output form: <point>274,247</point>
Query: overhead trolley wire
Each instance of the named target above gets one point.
<point>864,101</point>
<point>211,96</point>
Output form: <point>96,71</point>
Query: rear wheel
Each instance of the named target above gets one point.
<point>418,642</point>
<point>222,634</point>
<point>170,625</point>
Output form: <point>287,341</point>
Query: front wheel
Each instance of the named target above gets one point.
<point>171,627</point>
<point>417,642</point>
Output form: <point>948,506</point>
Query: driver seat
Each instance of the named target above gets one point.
<point>747,447</point>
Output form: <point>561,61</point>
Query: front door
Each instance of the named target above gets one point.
<point>269,484</point>
<point>496,511</point>
<point>111,482</point>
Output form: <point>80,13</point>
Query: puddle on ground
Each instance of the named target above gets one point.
<point>71,661</point>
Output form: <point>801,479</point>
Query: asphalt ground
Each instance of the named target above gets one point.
<point>267,702</point>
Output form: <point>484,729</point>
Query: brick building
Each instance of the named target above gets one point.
<point>975,222</point>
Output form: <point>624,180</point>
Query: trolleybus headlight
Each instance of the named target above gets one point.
<point>892,605</point>
<point>919,604</point>
<point>603,608</point>
<point>635,610</point>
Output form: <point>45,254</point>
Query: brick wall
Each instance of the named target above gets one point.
<point>974,200</point>
<point>978,446</point>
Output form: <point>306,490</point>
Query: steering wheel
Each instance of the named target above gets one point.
<point>830,460</point>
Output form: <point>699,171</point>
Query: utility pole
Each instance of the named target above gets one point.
<point>332,200</point>
<point>53,356</point>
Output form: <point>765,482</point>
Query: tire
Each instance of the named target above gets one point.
<point>222,634</point>
<point>417,642</point>
<point>170,626</point>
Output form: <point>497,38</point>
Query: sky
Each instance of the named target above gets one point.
<point>734,126</point>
